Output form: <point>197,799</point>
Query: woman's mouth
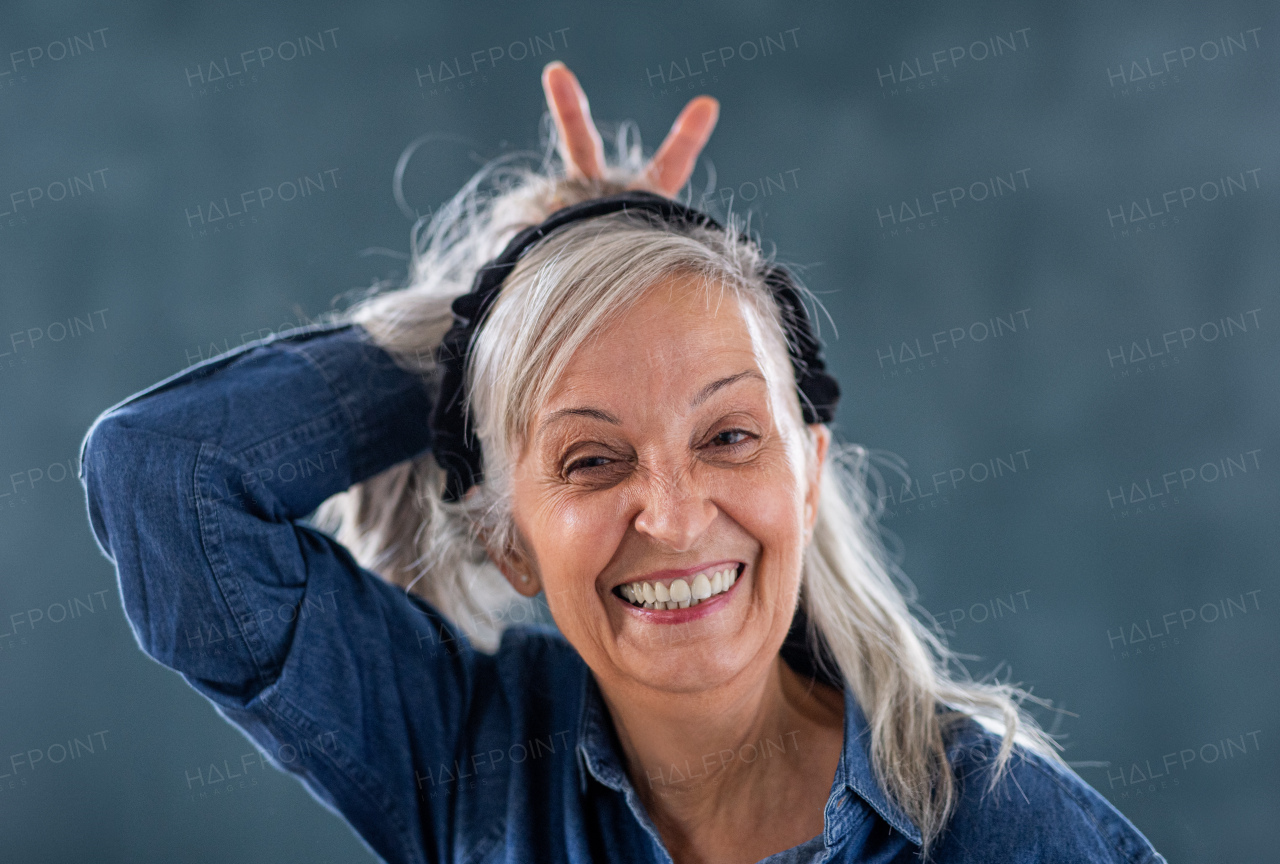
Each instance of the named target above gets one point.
<point>680,593</point>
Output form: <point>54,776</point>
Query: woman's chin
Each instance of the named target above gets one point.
<point>687,674</point>
<point>688,663</point>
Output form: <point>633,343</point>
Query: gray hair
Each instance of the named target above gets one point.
<point>567,288</point>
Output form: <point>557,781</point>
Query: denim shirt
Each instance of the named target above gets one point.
<point>197,490</point>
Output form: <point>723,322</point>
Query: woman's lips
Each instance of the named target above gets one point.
<point>684,602</point>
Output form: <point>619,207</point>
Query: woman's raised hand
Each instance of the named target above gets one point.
<point>582,150</point>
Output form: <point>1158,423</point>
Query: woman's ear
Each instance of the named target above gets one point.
<point>525,583</point>
<point>813,492</point>
<point>516,568</point>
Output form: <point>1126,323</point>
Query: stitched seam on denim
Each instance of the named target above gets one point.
<point>855,819</point>
<point>835,829</point>
<point>887,815</point>
<point>215,556</point>
<point>1088,811</point>
<point>281,707</point>
<point>646,823</point>
<point>591,731</point>
<point>304,433</point>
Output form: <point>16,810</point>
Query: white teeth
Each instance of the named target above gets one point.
<point>701,589</point>
<point>680,594</point>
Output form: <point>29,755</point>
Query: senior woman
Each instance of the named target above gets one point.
<point>590,393</point>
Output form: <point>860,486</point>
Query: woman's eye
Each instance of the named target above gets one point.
<point>730,439</point>
<point>723,437</point>
<point>589,462</point>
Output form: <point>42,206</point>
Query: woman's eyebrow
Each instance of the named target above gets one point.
<point>593,413</point>
<point>705,393</point>
<point>598,414</point>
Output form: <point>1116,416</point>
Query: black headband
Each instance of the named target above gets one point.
<point>456,448</point>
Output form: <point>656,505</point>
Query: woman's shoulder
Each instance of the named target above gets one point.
<point>535,644</point>
<point>1039,809</point>
<point>536,661</point>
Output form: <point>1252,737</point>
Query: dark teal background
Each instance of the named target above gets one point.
<point>1054,575</point>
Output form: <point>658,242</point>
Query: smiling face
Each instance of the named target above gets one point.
<point>663,453</point>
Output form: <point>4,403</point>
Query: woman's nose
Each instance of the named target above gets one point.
<point>675,511</point>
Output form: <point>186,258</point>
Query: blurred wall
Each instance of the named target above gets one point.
<point>1045,234</point>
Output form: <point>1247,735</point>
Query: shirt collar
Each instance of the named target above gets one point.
<point>598,748</point>
<point>599,755</point>
<point>856,772</point>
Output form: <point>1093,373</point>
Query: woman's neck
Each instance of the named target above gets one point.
<point>746,767</point>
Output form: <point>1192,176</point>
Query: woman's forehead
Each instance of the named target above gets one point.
<point>676,327</point>
<point>673,369</point>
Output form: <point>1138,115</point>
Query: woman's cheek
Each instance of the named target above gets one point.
<point>587,522</point>
<point>578,539</point>
<point>765,503</point>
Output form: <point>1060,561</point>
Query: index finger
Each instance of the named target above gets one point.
<point>580,145</point>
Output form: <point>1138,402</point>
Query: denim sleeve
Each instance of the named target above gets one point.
<point>196,490</point>
<point>1041,811</point>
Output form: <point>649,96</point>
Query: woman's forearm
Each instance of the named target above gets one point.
<point>376,412</point>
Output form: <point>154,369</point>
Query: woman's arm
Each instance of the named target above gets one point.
<point>195,487</point>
